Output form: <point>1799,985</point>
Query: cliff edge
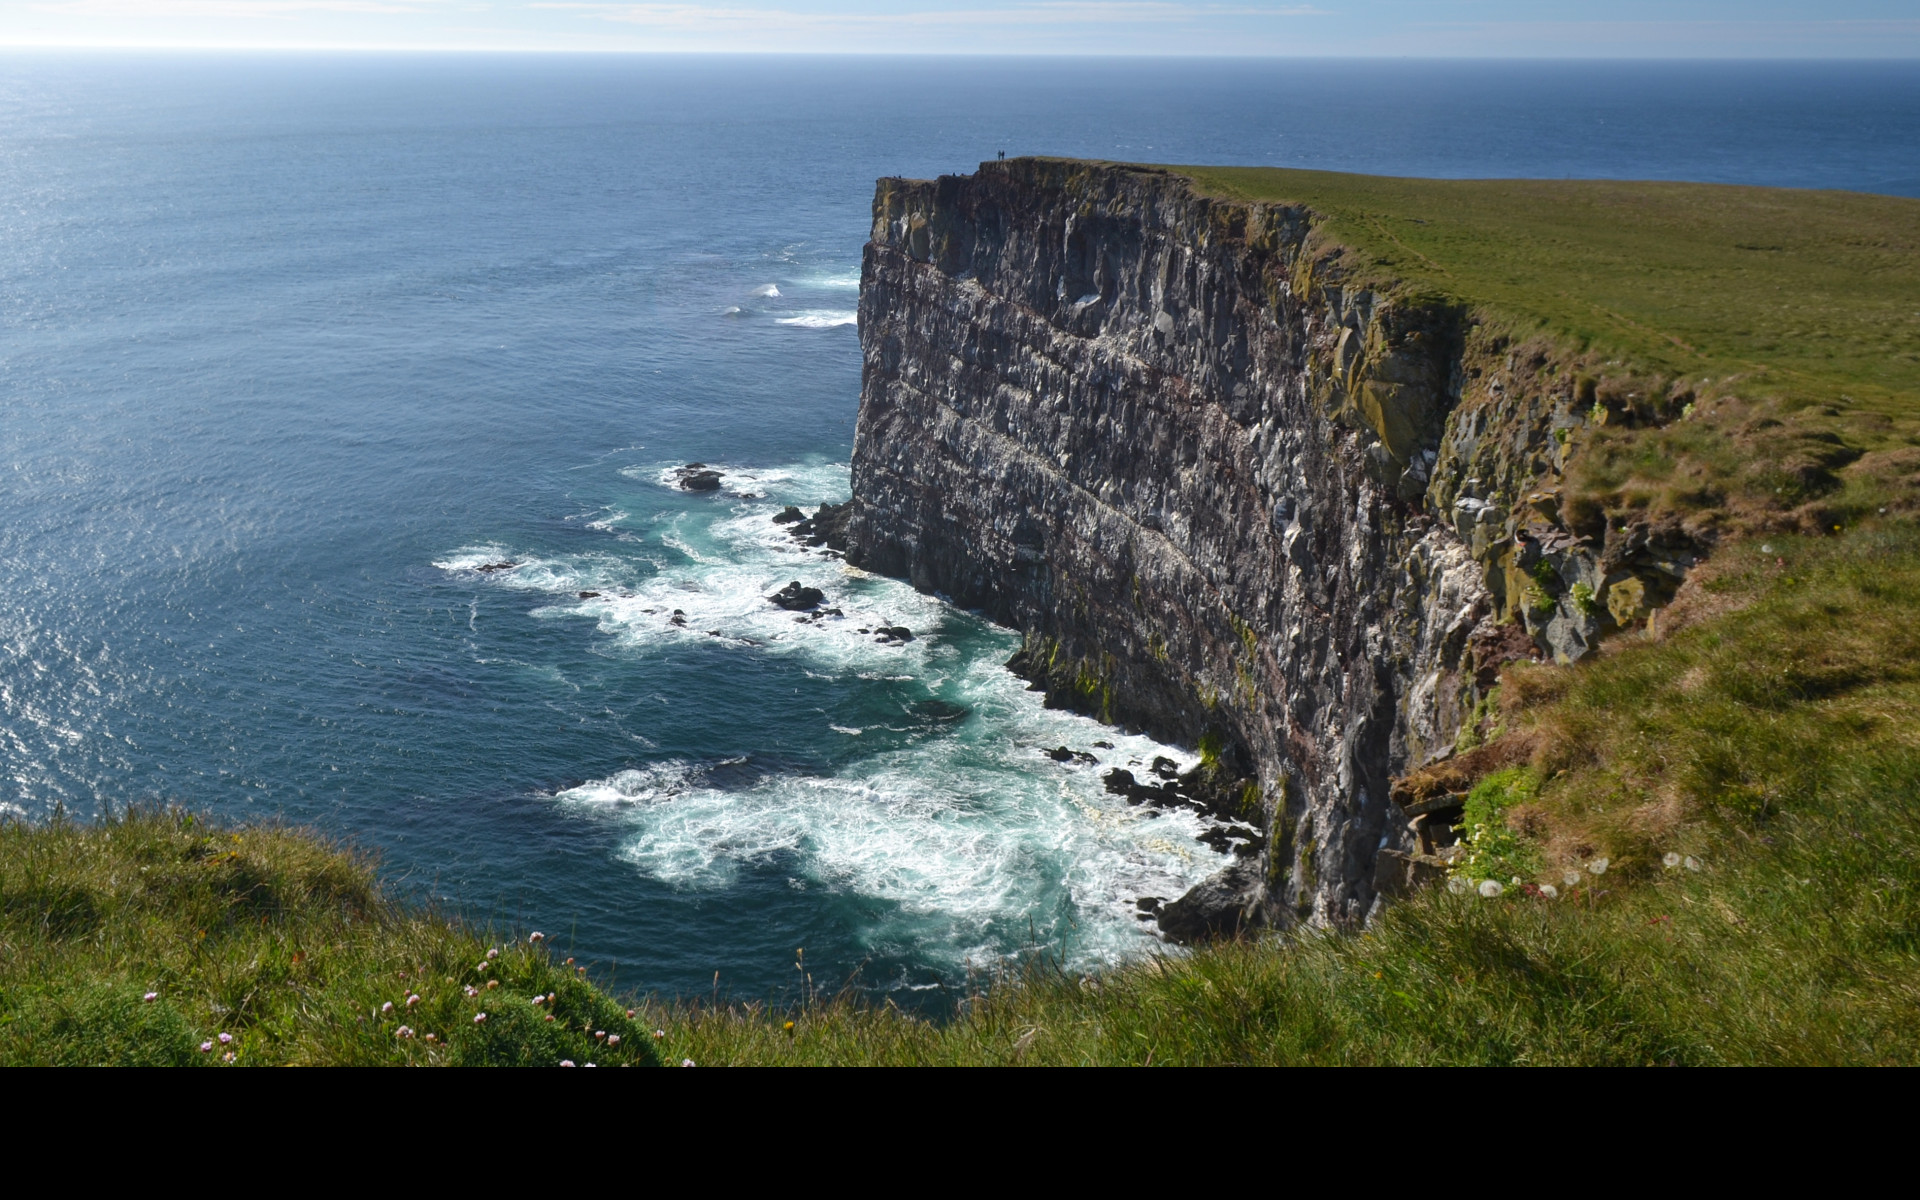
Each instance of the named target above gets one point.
<point>1245,488</point>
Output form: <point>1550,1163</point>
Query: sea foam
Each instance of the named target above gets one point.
<point>960,838</point>
<point>820,319</point>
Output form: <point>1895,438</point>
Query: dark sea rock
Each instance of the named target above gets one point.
<point>797,597</point>
<point>827,527</point>
<point>1222,907</point>
<point>789,515</point>
<point>698,477</point>
<point>497,566</point>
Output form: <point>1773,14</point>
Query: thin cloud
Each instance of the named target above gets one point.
<point>219,9</point>
<point>692,18</point>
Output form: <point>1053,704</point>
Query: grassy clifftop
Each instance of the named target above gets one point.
<point>1808,292</point>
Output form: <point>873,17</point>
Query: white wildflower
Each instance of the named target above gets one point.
<point>1670,860</point>
<point>1598,866</point>
<point>1693,864</point>
<point>493,954</point>
<point>1457,884</point>
<point>1571,879</point>
<point>1490,888</point>
<point>1549,891</point>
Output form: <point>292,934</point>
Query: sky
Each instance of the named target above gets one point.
<point>1420,28</point>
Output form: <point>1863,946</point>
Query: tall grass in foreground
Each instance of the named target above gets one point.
<point>1775,742</point>
<point>151,939</point>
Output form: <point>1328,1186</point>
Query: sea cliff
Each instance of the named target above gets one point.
<point>1229,495</point>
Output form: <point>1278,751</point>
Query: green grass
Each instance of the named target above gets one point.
<point>1816,293</point>
<point>272,938</point>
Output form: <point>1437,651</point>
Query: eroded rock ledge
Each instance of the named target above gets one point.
<point>1228,500</point>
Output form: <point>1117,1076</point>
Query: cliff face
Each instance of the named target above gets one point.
<point>1228,500</point>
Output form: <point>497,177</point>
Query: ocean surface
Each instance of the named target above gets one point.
<point>291,345</point>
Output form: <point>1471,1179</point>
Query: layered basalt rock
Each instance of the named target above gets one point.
<point>1226,497</point>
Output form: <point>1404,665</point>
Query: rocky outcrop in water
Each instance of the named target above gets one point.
<point>1227,499</point>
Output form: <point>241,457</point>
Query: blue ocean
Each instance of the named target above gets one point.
<point>291,346</point>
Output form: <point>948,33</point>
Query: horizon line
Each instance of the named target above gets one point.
<point>681,52</point>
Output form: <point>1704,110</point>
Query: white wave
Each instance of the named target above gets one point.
<point>820,319</point>
<point>961,838</point>
<point>765,291</point>
<point>658,782</point>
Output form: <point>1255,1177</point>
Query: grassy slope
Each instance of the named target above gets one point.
<point>272,938</point>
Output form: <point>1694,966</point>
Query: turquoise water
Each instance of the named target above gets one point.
<point>289,346</point>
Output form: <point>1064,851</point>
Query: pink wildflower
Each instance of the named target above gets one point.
<point>566,1062</point>
<point>479,1018</point>
<point>536,936</point>
<point>226,1039</point>
<point>387,1007</point>
<point>412,1000</point>
<point>613,1039</point>
<point>405,1031</point>
<point>206,1047</point>
<point>658,1034</point>
<point>150,997</point>
<point>493,954</point>
<point>686,1062</point>
<point>599,1033</point>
